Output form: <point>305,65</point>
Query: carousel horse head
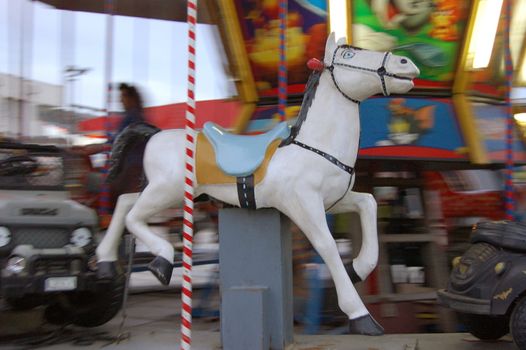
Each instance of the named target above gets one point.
<point>359,73</point>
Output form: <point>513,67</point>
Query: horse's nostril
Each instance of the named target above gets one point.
<point>403,60</point>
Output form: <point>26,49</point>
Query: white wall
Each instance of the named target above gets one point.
<point>34,93</point>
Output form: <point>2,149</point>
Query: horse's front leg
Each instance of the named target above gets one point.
<point>156,197</point>
<point>365,205</point>
<point>107,249</point>
<point>307,211</point>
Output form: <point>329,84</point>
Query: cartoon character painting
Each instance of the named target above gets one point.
<point>444,19</point>
<point>411,15</point>
<point>427,31</point>
<point>305,34</point>
<point>407,125</point>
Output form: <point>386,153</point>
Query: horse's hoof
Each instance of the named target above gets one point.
<point>365,325</point>
<point>162,269</point>
<point>355,278</point>
<point>106,270</point>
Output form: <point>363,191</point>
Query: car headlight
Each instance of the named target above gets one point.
<point>15,264</point>
<point>81,237</point>
<point>500,267</point>
<point>5,236</point>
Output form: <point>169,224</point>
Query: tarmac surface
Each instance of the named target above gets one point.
<point>153,322</point>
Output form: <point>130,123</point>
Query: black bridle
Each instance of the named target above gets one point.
<point>381,72</point>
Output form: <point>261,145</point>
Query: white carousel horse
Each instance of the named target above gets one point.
<point>309,175</point>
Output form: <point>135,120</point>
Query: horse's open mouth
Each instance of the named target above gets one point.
<point>400,77</point>
<point>407,75</point>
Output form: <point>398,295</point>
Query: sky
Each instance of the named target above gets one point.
<point>149,53</point>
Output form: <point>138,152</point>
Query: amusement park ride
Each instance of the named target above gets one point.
<point>457,116</point>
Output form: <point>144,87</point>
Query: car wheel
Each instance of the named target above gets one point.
<point>24,303</point>
<point>89,309</point>
<point>486,327</point>
<point>518,324</point>
<point>96,308</point>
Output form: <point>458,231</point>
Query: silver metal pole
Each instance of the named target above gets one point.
<point>21,73</point>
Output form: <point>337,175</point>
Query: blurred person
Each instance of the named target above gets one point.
<point>128,143</point>
<point>131,101</point>
<point>126,146</point>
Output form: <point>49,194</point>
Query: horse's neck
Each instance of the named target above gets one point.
<point>333,123</point>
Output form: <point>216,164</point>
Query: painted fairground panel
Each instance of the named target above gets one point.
<point>427,31</point>
<point>266,117</point>
<point>306,35</point>
<point>410,128</point>
<point>491,124</point>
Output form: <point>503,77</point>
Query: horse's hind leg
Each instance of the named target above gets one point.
<point>365,205</point>
<point>107,249</point>
<point>155,198</point>
<point>308,213</point>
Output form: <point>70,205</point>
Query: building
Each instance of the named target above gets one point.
<point>30,108</point>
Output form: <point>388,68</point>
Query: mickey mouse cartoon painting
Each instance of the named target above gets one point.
<point>410,15</point>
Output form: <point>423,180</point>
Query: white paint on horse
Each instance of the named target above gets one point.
<point>299,183</point>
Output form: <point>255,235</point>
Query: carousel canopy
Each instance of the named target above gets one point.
<point>172,10</point>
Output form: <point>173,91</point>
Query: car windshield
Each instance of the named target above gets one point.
<point>24,167</point>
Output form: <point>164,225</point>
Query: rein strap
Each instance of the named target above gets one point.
<point>327,156</point>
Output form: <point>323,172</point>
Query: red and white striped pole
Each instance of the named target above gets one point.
<point>188,209</point>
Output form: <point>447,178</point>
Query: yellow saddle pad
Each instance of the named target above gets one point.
<point>208,173</point>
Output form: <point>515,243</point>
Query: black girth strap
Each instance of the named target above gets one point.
<point>330,158</point>
<point>245,192</point>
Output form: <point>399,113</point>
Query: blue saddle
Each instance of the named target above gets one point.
<point>241,155</point>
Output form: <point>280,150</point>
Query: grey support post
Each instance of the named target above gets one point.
<point>255,266</point>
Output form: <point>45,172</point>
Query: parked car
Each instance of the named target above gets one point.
<point>47,241</point>
<point>487,285</point>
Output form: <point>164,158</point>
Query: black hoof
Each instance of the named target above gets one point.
<point>365,325</point>
<point>107,270</point>
<point>352,273</point>
<point>162,269</point>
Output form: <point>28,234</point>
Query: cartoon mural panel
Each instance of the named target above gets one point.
<point>427,31</point>
<point>306,35</point>
<point>410,128</point>
<point>491,123</point>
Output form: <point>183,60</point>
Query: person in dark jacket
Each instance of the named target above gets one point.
<point>129,178</point>
<point>132,103</point>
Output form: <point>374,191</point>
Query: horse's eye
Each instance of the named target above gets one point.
<point>347,54</point>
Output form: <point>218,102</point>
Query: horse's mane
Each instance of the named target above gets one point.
<point>308,97</point>
<point>125,141</point>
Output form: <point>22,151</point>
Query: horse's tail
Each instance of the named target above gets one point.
<point>127,139</point>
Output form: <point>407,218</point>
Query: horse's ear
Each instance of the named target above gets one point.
<point>330,46</point>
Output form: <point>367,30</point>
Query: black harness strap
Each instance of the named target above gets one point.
<point>343,195</point>
<point>334,161</point>
<point>245,192</point>
<point>327,156</point>
<point>245,185</point>
<point>331,69</point>
<point>381,72</point>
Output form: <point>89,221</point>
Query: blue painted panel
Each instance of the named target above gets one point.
<point>409,121</point>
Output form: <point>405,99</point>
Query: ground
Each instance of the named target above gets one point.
<point>153,322</point>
